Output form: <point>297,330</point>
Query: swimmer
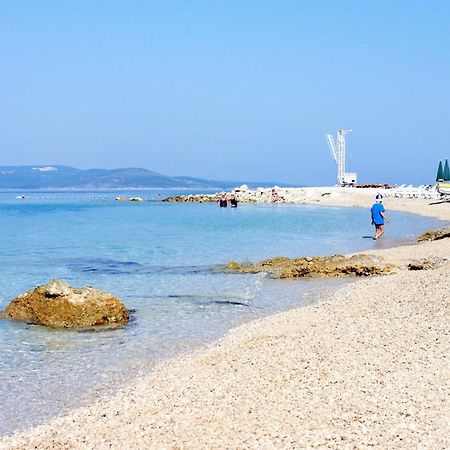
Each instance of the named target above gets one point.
<point>223,201</point>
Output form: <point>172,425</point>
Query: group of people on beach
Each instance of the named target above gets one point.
<point>232,199</point>
<point>223,201</point>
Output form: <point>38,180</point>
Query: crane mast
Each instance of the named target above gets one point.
<point>338,154</point>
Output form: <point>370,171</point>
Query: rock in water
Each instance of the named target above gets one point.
<point>434,235</point>
<point>58,305</point>
<point>316,266</point>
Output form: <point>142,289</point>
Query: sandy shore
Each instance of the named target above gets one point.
<point>366,367</point>
<point>364,198</point>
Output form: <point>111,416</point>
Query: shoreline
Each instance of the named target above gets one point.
<point>326,196</point>
<point>289,379</point>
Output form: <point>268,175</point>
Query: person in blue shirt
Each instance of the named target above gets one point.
<point>378,216</point>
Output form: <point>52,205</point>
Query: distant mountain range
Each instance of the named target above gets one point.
<point>65,177</point>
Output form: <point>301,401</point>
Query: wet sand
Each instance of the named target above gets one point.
<point>366,367</point>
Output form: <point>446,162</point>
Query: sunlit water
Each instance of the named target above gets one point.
<point>157,258</point>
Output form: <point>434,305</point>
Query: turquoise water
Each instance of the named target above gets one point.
<point>157,258</point>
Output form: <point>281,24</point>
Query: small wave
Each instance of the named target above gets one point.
<point>253,289</point>
<point>242,296</point>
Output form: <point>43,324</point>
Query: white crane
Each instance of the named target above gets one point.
<point>338,154</point>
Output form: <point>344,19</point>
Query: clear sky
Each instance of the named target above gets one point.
<point>227,89</point>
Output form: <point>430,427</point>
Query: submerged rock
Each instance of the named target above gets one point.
<point>233,265</point>
<point>58,305</point>
<point>318,266</point>
<point>121,198</point>
<point>434,235</point>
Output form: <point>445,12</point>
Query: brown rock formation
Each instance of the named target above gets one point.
<point>434,235</point>
<point>425,264</point>
<point>200,198</point>
<point>58,305</point>
<point>319,266</point>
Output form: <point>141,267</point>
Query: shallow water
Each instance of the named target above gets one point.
<point>157,258</point>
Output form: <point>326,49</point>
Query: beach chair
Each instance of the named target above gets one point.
<point>410,191</point>
<point>400,191</point>
<point>426,191</point>
<point>443,188</point>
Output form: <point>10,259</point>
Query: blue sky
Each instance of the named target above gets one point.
<point>227,89</point>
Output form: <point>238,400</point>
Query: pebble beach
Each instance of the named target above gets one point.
<point>366,366</point>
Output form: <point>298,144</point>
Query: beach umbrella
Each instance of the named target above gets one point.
<point>446,171</point>
<point>440,172</point>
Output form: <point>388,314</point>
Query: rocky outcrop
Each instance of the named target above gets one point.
<point>434,235</point>
<point>319,266</point>
<point>205,198</point>
<point>121,198</point>
<point>426,264</point>
<point>200,198</point>
<point>58,305</point>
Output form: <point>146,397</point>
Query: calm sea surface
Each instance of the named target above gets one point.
<point>157,258</point>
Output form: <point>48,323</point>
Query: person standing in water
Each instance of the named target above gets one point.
<point>233,201</point>
<point>274,197</point>
<point>223,201</point>
<point>378,216</point>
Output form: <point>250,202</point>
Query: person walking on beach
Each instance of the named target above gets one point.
<point>378,216</point>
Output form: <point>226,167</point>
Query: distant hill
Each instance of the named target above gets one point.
<point>65,177</point>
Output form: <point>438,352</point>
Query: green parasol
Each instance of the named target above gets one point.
<point>446,174</point>
<point>440,172</point>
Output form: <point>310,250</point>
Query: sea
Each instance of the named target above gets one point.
<point>163,261</point>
